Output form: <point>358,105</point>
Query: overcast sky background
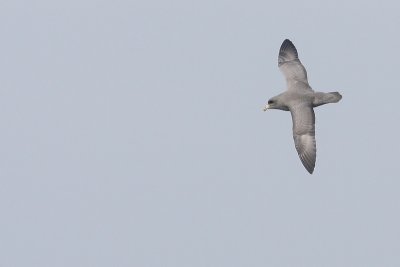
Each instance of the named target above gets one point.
<point>132,134</point>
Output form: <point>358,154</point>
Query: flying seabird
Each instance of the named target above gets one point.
<point>300,99</point>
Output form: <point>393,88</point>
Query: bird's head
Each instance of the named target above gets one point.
<point>275,103</point>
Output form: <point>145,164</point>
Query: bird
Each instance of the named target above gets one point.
<point>300,99</point>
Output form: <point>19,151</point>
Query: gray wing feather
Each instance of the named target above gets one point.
<point>304,135</point>
<point>290,65</point>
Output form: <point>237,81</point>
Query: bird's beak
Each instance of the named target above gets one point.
<point>266,107</point>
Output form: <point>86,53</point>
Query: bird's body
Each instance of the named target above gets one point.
<point>300,99</point>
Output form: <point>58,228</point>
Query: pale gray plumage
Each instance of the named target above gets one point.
<point>300,100</point>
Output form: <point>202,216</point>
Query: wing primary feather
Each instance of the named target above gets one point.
<point>291,67</point>
<point>304,135</point>
<point>287,52</point>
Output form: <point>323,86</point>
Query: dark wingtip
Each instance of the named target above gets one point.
<point>287,44</point>
<point>309,167</point>
<point>287,52</point>
<point>287,41</point>
<point>308,163</point>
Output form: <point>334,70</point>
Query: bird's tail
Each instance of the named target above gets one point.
<point>333,97</point>
<point>325,98</point>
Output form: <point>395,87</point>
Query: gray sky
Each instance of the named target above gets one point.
<point>132,134</point>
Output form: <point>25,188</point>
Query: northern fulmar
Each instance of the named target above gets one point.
<point>300,99</point>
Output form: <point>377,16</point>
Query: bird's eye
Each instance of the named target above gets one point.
<point>270,102</point>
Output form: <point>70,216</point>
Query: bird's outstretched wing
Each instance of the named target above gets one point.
<point>291,67</point>
<point>304,135</point>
